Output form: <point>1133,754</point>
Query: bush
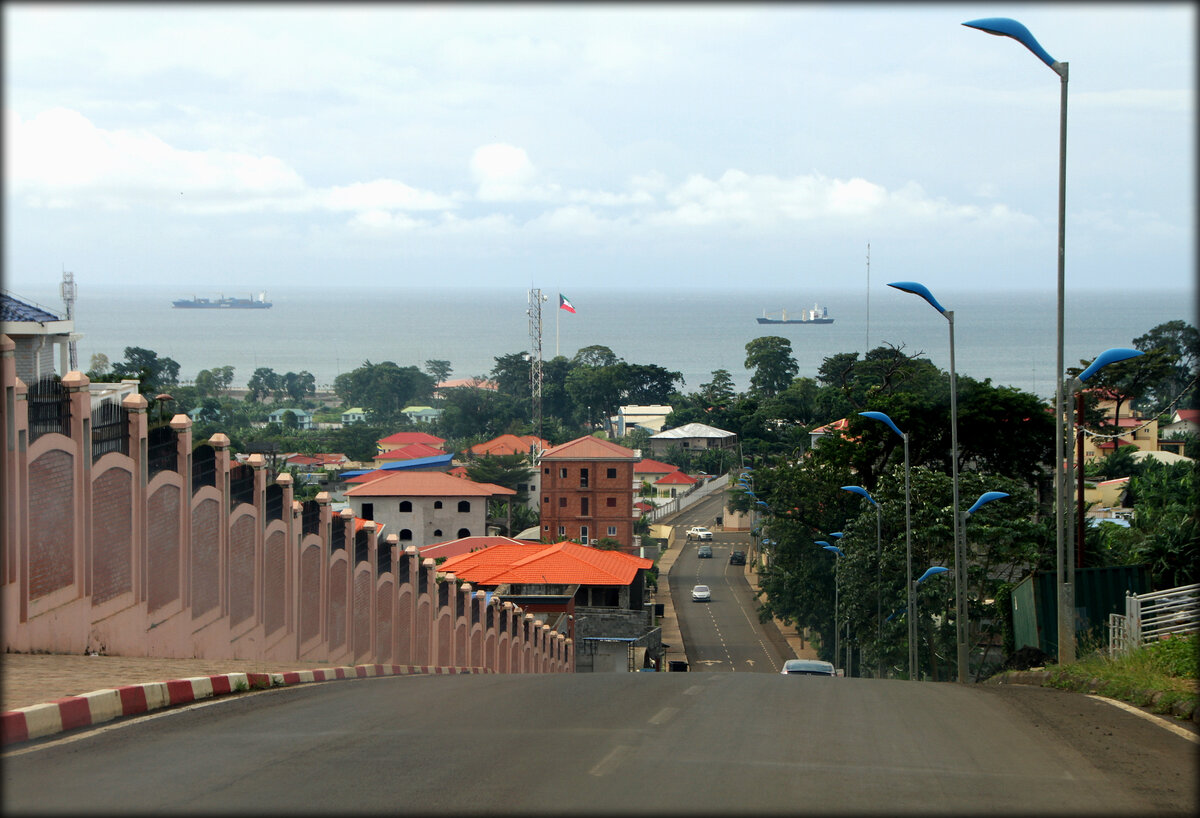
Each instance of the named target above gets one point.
<point>1176,655</point>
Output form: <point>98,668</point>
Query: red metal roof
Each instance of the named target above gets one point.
<point>564,563</point>
<point>410,451</point>
<point>676,477</point>
<point>508,444</point>
<point>652,467</point>
<point>589,448</point>
<point>425,484</point>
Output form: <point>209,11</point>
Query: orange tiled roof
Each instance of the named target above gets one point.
<point>589,448</point>
<point>425,484</point>
<point>508,444</point>
<point>368,476</point>
<point>676,477</point>
<point>463,545</point>
<point>404,438</point>
<point>458,471</point>
<point>564,563</point>
<point>646,465</point>
<point>410,451</point>
<point>478,383</point>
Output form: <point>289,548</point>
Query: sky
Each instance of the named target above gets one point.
<point>582,146</point>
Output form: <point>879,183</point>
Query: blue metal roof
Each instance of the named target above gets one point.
<point>404,465</point>
<point>13,310</point>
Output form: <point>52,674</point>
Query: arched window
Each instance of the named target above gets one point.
<point>405,535</point>
<point>437,532</point>
<point>437,503</point>
<point>405,505</point>
<point>464,505</point>
<point>464,532</point>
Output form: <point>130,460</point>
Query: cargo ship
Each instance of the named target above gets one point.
<point>223,303</point>
<point>817,315</point>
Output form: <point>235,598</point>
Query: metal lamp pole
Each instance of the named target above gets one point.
<point>908,581</point>
<point>1006,27</point>
<point>932,571</point>
<point>878,578</point>
<point>960,552</point>
<point>837,574</point>
<point>837,535</point>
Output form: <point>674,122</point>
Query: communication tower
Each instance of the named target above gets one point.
<point>535,357</point>
<point>67,291</point>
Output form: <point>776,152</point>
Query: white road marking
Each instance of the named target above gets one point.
<point>1159,720</point>
<point>610,762</point>
<point>663,715</point>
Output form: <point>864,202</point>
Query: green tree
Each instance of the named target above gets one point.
<point>156,374</point>
<point>98,366</point>
<point>719,392</point>
<point>511,374</point>
<point>439,370</point>
<point>264,383</point>
<point>383,389</point>
<point>646,384</point>
<point>299,385</point>
<point>770,356</point>
<point>595,355</point>
<point>1180,342</point>
<point>1165,530</point>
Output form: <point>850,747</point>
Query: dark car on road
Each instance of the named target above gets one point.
<point>737,558</point>
<point>704,551</point>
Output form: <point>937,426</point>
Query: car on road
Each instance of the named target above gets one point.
<point>699,532</point>
<point>704,552</point>
<point>807,667</point>
<point>737,558</point>
<point>700,593</point>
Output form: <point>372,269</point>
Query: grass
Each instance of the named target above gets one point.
<point>1161,676</point>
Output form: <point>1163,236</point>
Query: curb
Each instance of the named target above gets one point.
<point>99,706</point>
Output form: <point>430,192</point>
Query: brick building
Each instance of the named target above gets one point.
<point>587,491</point>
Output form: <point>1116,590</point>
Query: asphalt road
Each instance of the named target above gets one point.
<point>674,743</point>
<point>724,634</point>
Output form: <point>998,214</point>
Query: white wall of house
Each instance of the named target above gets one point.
<point>425,523</point>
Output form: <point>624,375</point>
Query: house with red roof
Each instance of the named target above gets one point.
<point>1183,422</point>
<point>394,441</point>
<point>408,451</point>
<point>675,484</point>
<point>587,491</point>
<point>463,545</point>
<point>601,594</point>
<point>423,507</point>
<point>508,444</point>
<point>647,471</point>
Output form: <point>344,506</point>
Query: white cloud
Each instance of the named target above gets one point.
<point>384,194</point>
<point>505,174</point>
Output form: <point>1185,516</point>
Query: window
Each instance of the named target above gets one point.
<point>546,500</point>
<point>562,472</point>
<point>583,506</point>
<point>368,511</point>
<point>562,531</point>
<point>562,502</point>
<point>612,474</point>
<point>610,502</point>
<point>583,534</point>
<point>546,470</point>
<point>437,503</point>
<point>464,532</point>
<point>612,531</point>
<point>405,535</point>
<point>583,478</point>
<point>437,532</point>
<point>405,505</point>
<point>546,527</point>
<point>464,506</point>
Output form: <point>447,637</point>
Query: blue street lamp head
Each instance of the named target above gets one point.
<point>862,492</point>
<point>1108,356</point>
<point>833,548</point>
<point>932,572</point>
<point>761,503</point>
<point>921,290</point>
<point>1007,27</point>
<point>836,534</point>
<point>882,418</point>
<point>986,498</point>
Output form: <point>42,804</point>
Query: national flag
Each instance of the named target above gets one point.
<point>564,304</point>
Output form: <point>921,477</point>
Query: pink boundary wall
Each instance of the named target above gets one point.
<point>99,557</point>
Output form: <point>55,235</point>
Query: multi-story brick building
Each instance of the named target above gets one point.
<point>587,491</point>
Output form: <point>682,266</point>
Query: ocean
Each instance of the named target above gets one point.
<point>1007,336</point>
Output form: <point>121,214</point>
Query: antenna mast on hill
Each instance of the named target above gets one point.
<point>868,349</point>
<point>535,358</point>
<point>67,291</point>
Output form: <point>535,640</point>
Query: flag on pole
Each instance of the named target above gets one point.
<point>564,304</point>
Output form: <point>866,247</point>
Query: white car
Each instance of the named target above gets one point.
<point>699,533</point>
<point>807,667</point>
<point>700,593</point>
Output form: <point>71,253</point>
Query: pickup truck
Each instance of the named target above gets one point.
<point>699,532</point>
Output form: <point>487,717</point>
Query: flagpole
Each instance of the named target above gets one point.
<point>557,314</point>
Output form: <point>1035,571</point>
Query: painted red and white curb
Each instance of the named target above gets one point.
<point>99,706</point>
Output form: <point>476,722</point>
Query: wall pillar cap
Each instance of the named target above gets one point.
<point>425,563</point>
<point>284,479</point>
<point>256,461</point>
<point>370,525</point>
<point>409,550</point>
<point>218,441</point>
<point>75,380</point>
<point>322,498</point>
<point>134,403</point>
<point>391,539</point>
<point>7,344</point>
<point>180,422</point>
<point>346,513</point>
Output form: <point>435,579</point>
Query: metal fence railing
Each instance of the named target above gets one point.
<point>1150,617</point>
<point>693,497</point>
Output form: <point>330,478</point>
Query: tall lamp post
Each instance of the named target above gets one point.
<point>1108,356</point>
<point>908,581</point>
<point>836,583</point>
<point>1006,27</point>
<point>960,550</point>
<point>932,571</point>
<point>837,535</point>
<point>859,490</point>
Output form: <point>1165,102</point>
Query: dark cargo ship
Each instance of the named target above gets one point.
<point>223,303</point>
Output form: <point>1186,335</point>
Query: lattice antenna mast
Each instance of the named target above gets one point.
<point>67,291</point>
<point>535,357</point>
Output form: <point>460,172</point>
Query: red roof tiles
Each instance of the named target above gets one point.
<point>425,484</point>
<point>564,563</point>
<point>589,448</point>
<point>404,438</point>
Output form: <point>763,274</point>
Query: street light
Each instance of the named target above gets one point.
<point>836,582</point>
<point>912,646</point>
<point>859,490</point>
<point>837,535</point>
<point>960,549</point>
<point>1005,27</point>
<point>1066,577</point>
<point>932,571</point>
<point>984,499</point>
